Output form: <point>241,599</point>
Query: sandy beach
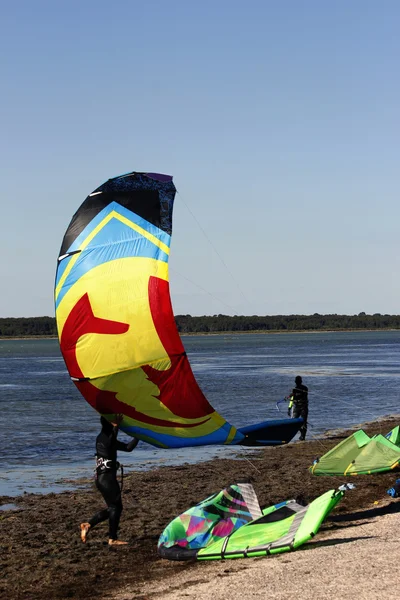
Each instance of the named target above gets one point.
<point>357,556</point>
<point>355,552</point>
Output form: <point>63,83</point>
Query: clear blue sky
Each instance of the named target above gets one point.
<point>278,120</point>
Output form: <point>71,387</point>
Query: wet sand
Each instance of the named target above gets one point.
<point>41,555</point>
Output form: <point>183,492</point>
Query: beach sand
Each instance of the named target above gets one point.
<point>356,551</point>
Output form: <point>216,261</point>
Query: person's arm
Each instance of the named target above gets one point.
<point>129,446</point>
<point>112,436</point>
<point>121,445</point>
<point>116,423</point>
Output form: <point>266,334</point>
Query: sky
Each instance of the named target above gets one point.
<point>279,122</point>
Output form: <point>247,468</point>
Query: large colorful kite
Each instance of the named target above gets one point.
<point>116,326</point>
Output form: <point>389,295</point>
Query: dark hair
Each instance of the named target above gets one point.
<point>106,425</point>
<point>298,379</point>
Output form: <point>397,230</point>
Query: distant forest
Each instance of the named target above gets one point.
<point>46,326</point>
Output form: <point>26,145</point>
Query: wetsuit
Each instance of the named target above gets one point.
<point>300,406</point>
<point>106,477</point>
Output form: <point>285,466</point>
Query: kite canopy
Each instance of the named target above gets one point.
<point>230,524</point>
<point>394,435</point>
<point>116,326</point>
<point>360,455</point>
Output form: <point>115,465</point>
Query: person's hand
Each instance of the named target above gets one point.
<point>118,419</point>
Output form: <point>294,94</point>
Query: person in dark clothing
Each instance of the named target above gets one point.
<point>299,404</point>
<point>106,479</point>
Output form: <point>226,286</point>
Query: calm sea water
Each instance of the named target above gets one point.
<point>48,430</point>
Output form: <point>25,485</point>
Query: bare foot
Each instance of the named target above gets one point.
<point>84,531</point>
<point>116,542</point>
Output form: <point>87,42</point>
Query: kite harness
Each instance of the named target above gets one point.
<point>104,465</point>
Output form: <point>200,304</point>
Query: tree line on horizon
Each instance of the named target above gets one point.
<point>46,326</point>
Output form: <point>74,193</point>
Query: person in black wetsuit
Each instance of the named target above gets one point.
<point>106,479</point>
<point>299,402</point>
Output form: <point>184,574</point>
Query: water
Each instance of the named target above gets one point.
<point>48,430</point>
<point>9,506</point>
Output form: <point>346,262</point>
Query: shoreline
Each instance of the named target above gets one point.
<point>218,333</point>
<point>43,557</point>
<point>54,481</point>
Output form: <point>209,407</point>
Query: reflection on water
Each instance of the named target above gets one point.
<point>50,430</point>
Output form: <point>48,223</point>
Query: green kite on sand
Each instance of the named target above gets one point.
<point>361,455</point>
<point>231,524</point>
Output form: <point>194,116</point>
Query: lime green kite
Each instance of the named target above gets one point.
<point>361,455</point>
